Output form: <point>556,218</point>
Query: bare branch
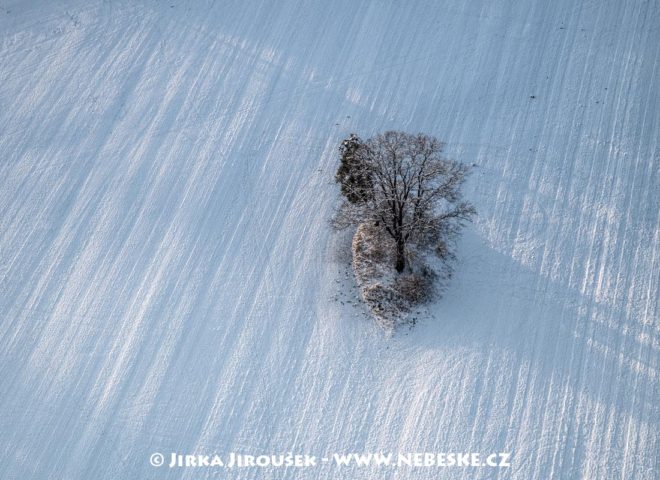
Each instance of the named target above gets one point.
<point>404,185</point>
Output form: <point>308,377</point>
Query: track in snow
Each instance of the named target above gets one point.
<point>168,280</point>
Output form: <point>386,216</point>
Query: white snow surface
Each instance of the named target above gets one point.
<point>169,282</point>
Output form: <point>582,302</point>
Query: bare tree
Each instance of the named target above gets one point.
<point>402,184</point>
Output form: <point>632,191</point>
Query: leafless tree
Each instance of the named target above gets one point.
<point>402,184</point>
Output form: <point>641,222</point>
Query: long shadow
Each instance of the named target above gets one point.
<point>494,304</point>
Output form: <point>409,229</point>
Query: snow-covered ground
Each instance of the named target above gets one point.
<point>168,281</point>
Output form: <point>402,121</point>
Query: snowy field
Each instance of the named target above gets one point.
<point>169,283</point>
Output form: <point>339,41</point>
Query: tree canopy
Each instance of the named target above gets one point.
<point>402,184</point>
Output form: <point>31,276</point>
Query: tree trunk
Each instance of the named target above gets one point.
<point>400,255</point>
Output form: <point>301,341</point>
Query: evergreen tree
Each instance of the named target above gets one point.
<point>353,174</point>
